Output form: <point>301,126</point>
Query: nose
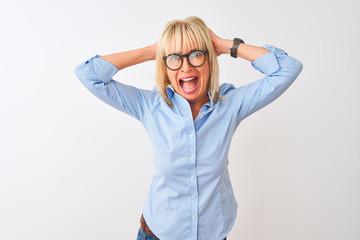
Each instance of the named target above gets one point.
<point>186,67</point>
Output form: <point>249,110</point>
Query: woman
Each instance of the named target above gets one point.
<point>190,120</point>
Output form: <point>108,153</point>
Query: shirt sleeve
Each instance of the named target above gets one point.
<point>96,75</point>
<point>281,71</point>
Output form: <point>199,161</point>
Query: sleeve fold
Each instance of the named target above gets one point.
<point>281,71</point>
<point>96,75</point>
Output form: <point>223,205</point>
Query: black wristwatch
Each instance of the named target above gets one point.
<point>233,50</point>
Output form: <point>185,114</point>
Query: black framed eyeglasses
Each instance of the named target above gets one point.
<point>196,58</point>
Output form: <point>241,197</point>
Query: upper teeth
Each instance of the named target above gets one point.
<point>188,79</point>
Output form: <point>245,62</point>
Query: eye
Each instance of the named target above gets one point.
<point>173,57</point>
<point>196,54</point>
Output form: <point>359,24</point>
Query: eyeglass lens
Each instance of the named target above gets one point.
<point>196,59</point>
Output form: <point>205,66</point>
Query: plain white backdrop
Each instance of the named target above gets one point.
<point>72,167</point>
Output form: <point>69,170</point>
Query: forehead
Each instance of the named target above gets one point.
<point>183,45</point>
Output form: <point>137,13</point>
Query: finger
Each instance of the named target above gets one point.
<point>211,33</point>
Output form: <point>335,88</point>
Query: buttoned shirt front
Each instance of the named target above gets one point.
<point>191,196</point>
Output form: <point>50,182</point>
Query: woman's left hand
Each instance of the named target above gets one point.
<point>222,46</point>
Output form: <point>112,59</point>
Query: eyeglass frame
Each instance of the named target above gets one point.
<point>187,56</point>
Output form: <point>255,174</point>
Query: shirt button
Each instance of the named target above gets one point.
<point>201,116</point>
<point>191,158</point>
<point>193,195</point>
<point>193,217</point>
<point>190,135</point>
<point>192,177</point>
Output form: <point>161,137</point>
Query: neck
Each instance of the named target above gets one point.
<point>196,106</point>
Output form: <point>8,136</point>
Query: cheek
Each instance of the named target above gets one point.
<point>171,76</point>
<point>206,74</point>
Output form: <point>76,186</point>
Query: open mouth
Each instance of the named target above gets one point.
<point>189,84</point>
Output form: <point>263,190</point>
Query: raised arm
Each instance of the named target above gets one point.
<point>280,69</point>
<point>96,75</point>
<point>126,59</point>
<point>245,51</point>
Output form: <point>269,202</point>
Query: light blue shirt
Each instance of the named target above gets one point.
<point>191,196</point>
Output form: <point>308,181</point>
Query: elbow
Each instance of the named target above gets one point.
<point>297,68</point>
<point>82,77</point>
<point>287,75</point>
<point>86,76</point>
<point>80,73</point>
<point>291,69</point>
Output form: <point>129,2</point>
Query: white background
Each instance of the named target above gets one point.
<point>72,167</point>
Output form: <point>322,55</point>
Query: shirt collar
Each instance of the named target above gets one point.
<point>170,92</point>
<point>211,102</point>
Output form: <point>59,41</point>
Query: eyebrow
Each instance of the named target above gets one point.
<point>192,50</point>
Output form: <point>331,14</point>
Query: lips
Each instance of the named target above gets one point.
<point>189,84</point>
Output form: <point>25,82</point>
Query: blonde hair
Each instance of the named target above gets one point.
<point>184,34</point>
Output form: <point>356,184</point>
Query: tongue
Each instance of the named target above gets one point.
<point>188,85</point>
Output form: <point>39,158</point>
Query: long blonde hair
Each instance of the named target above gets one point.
<point>190,32</point>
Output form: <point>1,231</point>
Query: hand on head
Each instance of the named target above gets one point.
<point>216,42</point>
<point>221,45</point>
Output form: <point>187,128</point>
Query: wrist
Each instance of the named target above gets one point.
<point>225,45</point>
<point>235,46</point>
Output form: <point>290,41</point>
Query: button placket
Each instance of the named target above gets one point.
<point>193,191</point>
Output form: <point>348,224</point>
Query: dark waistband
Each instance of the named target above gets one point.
<point>146,228</point>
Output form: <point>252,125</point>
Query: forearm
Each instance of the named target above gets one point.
<point>245,51</point>
<point>129,58</point>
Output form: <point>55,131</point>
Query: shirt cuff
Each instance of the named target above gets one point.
<point>268,63</point>
<point>102,69</point>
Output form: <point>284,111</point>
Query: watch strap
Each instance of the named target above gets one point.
<point>234,48</point>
